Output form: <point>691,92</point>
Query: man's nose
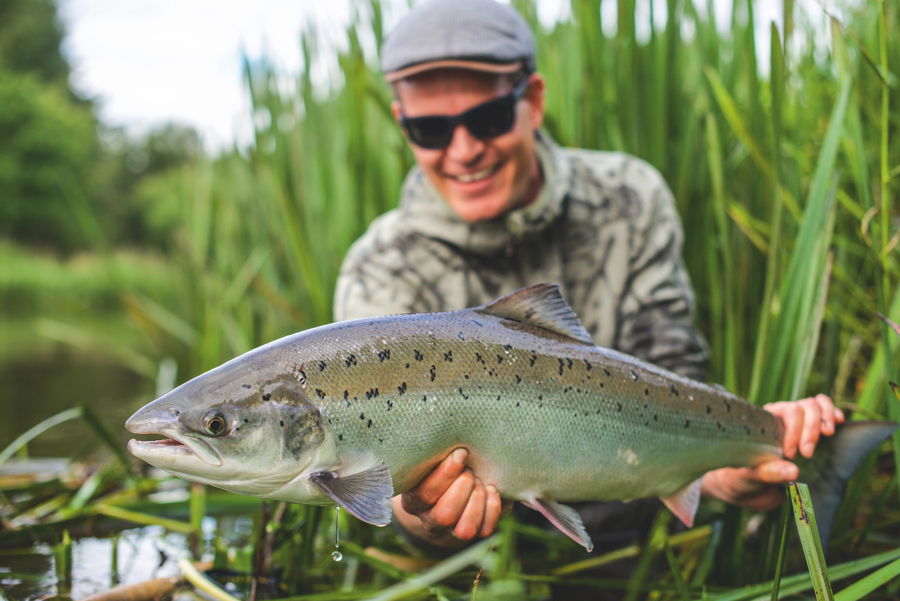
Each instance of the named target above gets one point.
<point>464,147</point>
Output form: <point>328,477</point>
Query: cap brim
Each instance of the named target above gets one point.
<point>498,68</point>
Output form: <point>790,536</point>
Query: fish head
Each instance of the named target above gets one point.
<point>234,428</point>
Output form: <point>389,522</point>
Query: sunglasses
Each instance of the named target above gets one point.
<point>487,120</point>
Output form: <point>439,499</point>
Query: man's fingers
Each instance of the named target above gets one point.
<point>492,511</point>
<point>775,472</point>
<point>470,521</point>
<point>792,416</point>
<point>432,488</point>
<point>452,503</point>
<point>812,426</point>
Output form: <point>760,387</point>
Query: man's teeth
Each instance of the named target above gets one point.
<point>474,177</point>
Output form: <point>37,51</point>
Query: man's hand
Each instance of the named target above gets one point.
<point>757,487</point>
<point>450,505</point>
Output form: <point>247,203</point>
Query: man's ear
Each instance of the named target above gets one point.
<point>535,99</point>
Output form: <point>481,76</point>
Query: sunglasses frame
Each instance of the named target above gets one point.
<point>513,97</point>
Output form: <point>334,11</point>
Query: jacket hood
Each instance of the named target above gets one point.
<point>429,214</point>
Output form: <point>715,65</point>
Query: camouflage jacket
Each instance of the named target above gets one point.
<point>604,227</point>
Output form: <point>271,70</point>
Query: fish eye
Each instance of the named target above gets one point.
<point>215,423</point>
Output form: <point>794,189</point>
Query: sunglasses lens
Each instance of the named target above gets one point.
<point>429,132</point>
<point>492,119</point>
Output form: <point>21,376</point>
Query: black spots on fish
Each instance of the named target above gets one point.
<point>673,390</point>
<point>491,373</point>
<point>507,347</point>
<point>518,379</point>
<point>281,423</point>
<point>533,359</point>
<point>687,423</point>
<point>727,405</point>
<point>340,437</point>
<point>247,386</point>
<point>351,360</point>
<point>372,393</point>
<point>407,366</point>
<point>479,358</point>
<point>346,394</point>
<point>719,426</point>
<point>463,394</point>
<point>362,416</point>
<point>419,356</point>
<point>517,402</point>
<point>320,393</point>
<point>562,364</point>
<point>448,356</point>
<point>369,425</point>
<point>321,366</point>
<point>433,372</point>
<point>762,430</point>
<point>476,322</point>
<point>587,365</point>
<point>266,397</point>
<point>646,392</point>
<point>747,429</point>
<point>424,398</point>
<point>569,363</point>
<point>461,337</point>
<point>601,385</point>
<point>384,355</point>
<point>655,418</point>
<point>401,389</point>
<point>634,375</point>
<point>246,421</point>
<point>499,359</point>
<point>390,404</point>
<point>606,371</point>
<point>708,410</point>
<point>619,407</point>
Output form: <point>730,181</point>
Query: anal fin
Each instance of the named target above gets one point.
<point>365,495</point>
<point>565,518</point>
<point>684,503</point>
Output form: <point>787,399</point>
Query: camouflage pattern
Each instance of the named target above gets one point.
<point>604,227</point>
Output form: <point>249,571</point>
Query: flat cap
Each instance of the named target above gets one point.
<point>481,35</point>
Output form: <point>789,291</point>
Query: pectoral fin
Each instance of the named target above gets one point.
<point>684,503</point>
<point>366,495</point>
<point>565,518</point>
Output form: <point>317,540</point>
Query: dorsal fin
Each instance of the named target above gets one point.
<point>540,305</point>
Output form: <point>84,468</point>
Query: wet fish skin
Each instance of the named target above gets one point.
<point>355,412</point>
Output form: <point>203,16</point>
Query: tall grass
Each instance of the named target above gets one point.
<point>785,185</point>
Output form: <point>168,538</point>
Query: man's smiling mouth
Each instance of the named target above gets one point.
<point>468,178</point>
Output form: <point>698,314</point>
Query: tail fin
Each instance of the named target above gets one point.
<point>835,461</point>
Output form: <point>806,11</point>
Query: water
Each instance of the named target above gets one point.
<point>39,386</point>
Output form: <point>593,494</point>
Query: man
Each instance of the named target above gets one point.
<point>494,205</point>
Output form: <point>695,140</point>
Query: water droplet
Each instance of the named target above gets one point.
<point>337,556</point>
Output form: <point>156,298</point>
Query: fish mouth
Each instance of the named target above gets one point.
<point>172,450</point>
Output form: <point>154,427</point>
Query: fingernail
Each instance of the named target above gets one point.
<point>789,472</point>
<point>807,448</point>
<point>459,456</point>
